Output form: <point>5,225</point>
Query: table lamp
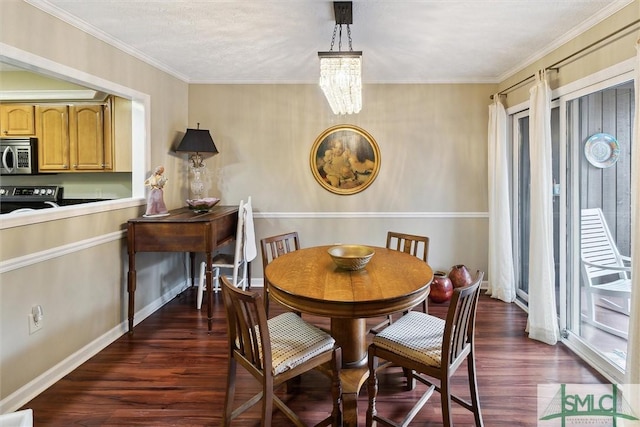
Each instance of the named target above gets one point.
<point>197,141</point>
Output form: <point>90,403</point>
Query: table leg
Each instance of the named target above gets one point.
<point>249,275</point>
<point>350,409</point>
<point>350,334</point>
<point>192,265</point>
<point>351,380</point>
<point>131,289</point>
<point>131,276</point>
<point>209,283</point>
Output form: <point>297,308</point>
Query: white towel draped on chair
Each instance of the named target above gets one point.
<point>250,250</point>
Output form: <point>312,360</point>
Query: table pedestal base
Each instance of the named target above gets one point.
<point>350,334</point>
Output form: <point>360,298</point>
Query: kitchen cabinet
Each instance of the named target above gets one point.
<point>87,140</point>
<point>72,138</point>
<point>17,120</point>
<point>52,131</point>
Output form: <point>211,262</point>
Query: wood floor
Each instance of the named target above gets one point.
<point>171,372</point>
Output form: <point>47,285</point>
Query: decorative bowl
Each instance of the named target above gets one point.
<point>202,205</point>
<point>351,257</point>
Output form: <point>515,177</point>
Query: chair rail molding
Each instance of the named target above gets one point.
<point>265,215</point>
<point>36,257</point>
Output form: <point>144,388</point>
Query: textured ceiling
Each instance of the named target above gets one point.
<point>272,41</point>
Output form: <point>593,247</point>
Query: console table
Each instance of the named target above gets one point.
<point>181,231</point>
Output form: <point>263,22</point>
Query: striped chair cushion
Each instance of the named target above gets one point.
<point>415,335</point>
<point>294,341</point>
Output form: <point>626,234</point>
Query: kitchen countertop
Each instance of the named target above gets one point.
<point>70,202</point>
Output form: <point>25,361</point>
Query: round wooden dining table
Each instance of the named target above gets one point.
<point>307,280</point>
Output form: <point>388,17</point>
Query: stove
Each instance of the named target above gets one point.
<point>14,199</point>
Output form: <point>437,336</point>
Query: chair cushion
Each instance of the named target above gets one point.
<point>294,341</point>
<point>416,336</point>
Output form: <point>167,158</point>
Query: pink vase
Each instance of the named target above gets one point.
<point>460,276</point>
<point>441,288</point>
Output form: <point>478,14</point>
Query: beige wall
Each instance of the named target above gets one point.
<point>73,267</point>
<point>432,178</point>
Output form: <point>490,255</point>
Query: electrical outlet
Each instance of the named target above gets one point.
<point>33,326</point>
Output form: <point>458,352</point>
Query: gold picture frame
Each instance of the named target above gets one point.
<point>345,159</point>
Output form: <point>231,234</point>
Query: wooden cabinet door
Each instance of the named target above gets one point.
<point>17,120</point>
<point>86,138</point>
<point>52,131</point>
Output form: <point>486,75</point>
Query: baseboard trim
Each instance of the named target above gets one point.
<point>33,388</point>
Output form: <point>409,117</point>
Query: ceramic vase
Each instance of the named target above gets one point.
<point>441,288</point>
<point>460,276</point>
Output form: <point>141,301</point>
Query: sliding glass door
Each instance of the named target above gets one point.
<point>591,151</point>
<point>599,128</point>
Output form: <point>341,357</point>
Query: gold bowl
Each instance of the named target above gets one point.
<point>202,205</point>
<point>351,257</point>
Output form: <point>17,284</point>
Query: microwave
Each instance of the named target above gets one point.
<point>18,156</point>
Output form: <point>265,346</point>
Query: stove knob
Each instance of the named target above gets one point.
<point>2,191</point>
<point>49,191</point>
<point>36,191</point>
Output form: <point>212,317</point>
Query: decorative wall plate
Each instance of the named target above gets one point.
<point>602,150</point>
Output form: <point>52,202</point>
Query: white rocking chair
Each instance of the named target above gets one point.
<point>245,251</point>
<point>605,272</point>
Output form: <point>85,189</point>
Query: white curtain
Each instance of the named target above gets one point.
<point>542,323</point>
<point>633,344</point>
<point>631,386</point>
<point>501,275</point>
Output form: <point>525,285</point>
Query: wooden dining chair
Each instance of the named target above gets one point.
<point>427,346</point>
<point>409,243</point>
<point>274,351</point>
<point>272,247</point>
<point>413,245</point>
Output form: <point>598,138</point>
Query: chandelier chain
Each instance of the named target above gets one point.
<point>333,38</point>
<point>349,35</point>
<point>339,34</point>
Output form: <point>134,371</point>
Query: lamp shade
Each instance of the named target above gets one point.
<point>197,141</point>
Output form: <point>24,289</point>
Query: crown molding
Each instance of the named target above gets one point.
<point>56,12</point>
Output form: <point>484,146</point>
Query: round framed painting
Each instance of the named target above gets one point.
<point>345,159</point>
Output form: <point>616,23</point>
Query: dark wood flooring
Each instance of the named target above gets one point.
<point>171,372</point>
